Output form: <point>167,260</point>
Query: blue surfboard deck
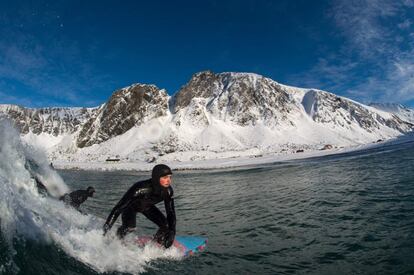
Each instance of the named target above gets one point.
<point>188,245</point>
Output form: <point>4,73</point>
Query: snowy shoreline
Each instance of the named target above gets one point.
<point>223,163</point>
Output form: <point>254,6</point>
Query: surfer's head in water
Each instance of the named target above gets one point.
<point>90,191</point>
<point>161,174</point>
<point>76,198</point>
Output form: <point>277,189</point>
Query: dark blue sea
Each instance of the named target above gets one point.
<point>350,213</point>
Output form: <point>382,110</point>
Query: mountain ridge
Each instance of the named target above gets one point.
<point>210,116</point>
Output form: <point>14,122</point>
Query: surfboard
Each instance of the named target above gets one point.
<point>187,245</point>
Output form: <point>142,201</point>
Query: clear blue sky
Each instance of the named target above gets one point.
<point>76,53</point>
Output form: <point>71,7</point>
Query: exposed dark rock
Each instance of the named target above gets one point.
<point>125,109</point>
<point>53,121</point>
<point>325,107</point>
<point>242,98</point>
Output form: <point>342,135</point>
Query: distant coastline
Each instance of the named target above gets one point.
<point>226,163</point>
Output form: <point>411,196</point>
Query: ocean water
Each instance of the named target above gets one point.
<point>345,214</point>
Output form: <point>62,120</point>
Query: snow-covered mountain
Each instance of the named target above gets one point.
<point>51,121</point>
<point>401,111</point>
<point>126,108</point>
<point>212,116</point>
<point>241,98</point>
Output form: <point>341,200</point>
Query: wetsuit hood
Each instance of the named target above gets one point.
<point>90,191</point>
<point>159,171</point>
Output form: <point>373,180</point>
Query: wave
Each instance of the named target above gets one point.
<point>29,217</point>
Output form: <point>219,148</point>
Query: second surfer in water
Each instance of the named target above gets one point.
<point>142,197</point>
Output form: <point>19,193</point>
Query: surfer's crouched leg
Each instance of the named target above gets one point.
<point>157,217</point>
<point>123,230</point>
<point>129,223</point>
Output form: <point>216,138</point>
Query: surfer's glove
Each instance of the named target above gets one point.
<point>165,237</point>
<point>106,228</point>
<point>159,237</point>
<point>169,238</point>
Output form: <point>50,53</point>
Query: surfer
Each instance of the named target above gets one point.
<point>76,198</point>
<point>142,197</point>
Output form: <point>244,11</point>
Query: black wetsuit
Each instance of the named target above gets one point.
<point>142,197</point>
<point>76,198</point>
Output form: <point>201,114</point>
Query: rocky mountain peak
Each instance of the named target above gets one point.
<point>328,108</point>
<point>243,98</point>
<point>404,113</point>
<point>137,99</point>
<point>52,120</point>
<point>201,85</point>
<point>127,107</point>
